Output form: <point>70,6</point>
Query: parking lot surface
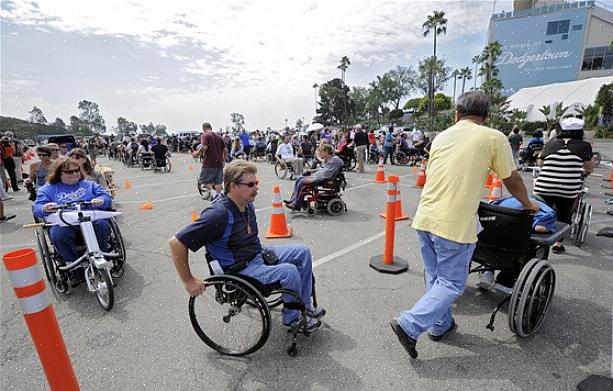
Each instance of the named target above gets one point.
<point>146,341</point>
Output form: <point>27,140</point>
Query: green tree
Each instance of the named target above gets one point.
<point>435,24</point>
<point>590,115</point>
<point>412,104</point>
<point>465,74</point>
<point>332,97</point>
<point>90,116</point>
<point>604,100</point>
<point>455,74</point>
<point>518,117</point>
<point>359,96</point>
<point>432,75</point>
<point>299,124</point>
<point>558,112</point>
<point>238,120</point>
<point>36,116</point>
<point>488,71</point>
<point>477,61</point>
<point>546,111</point>
<point>400,82</point>
<point>343,66</point>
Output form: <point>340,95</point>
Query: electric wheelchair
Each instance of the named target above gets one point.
<point>233,317</point>
<point>325,196</point>
<point>508,245</point>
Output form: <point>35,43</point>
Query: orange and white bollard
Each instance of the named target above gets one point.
<point>29,288</point>
<point>400,215</point>
<point>388,263</point>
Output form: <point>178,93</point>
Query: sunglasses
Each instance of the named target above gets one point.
<point>70,172</point>
<point>42,155</point>
<point>249,184</point>
<point>75,156</point>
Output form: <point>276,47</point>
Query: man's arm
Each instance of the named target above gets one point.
<point>516,187</point>
<point>180,256</point>
<point>200,151</point>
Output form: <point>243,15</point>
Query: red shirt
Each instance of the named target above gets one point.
<point>215,147</point>
<point>372,138</point>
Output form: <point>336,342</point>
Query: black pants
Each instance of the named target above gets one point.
<point>9,166</point>
<point>563,206</point>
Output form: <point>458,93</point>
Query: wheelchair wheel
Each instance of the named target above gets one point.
<point>203,191</point>
<point>531,297</point>
<point>336,206</point>
<point>45,256</point>
<point>231,316</point>
<point>168,165</point>
<point>117,245</point>
<point>575,222</point>
<point>103,285</point>
<point>584,227</point>
<point>281,172</point>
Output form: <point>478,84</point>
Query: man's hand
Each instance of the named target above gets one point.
<point>533,207</point>
<point>306,172</point>
<point>194,286</point>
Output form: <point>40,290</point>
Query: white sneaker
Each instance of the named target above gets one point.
<point>486,280</point>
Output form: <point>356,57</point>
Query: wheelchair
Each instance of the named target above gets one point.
<point>57,271</point>
<point>233,317</point>
<point>528,156</point>
<point>160,164</point>
<point>507,245</point>
<point>146,161</point>
<point>282,173</point>
<point>581,219</point>
<point>325,196</point>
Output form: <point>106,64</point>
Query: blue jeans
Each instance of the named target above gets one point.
<point>64,239</point>
<point>295,200</point>
<point>446,263</point>
<point>388,152</point>
<point>294,271</point>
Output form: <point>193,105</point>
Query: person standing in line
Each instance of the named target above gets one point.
<point>515,140</point>
<point>388,147</point>
<point>245,140</point>
<point>8,152</point>
<point>446,218</point>
<point>213,148</point>
<point>361,141</point>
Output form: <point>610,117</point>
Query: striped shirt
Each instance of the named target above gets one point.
<point>560,175</point>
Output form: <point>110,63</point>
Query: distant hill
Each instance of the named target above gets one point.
<point>24,129</point>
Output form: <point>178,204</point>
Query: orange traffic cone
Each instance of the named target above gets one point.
<point>609,180</point>
<point>490,179</point>
<point>399,213</point>
<point>127,184</point>
<point>496,190</point>
<point>278,227</point>
<point>146,206</point>
<point>194,216</point>
<point>420,182</point>
<point>380,174</point>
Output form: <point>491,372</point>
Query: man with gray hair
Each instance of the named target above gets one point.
<point>461,157</point>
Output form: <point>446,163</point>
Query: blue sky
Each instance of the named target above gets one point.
<point>184,62</point>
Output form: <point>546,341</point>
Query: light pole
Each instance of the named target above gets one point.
<point>315,86</point>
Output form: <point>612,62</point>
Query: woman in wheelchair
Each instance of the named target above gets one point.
<point>145,154</point>
<point>229,231</point>
<point>87,170</point>
<point>331,166</point>
<point>65,184</point>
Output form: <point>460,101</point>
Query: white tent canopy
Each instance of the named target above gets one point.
<point>574,94</point>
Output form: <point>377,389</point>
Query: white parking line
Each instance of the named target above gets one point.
<point>354,246</point>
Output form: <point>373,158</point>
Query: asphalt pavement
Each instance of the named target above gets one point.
<point>146,341</point>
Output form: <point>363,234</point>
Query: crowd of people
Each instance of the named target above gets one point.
<point>445,222</point>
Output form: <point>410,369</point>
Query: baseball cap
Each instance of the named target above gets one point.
<point>572,124</point>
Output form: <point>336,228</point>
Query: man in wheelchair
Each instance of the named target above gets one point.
<point>331,166</point>
<point>229,231</point>
<point>285,154</point>
<point>160,152</point>
<point>65,184</point>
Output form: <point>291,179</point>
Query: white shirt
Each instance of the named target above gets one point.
<point>285,151</point>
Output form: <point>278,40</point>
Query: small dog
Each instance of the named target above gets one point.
<point>108,173</point>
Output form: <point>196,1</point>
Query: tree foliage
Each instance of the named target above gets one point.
<point>238,120</point>
<point>604,100</point>
<point>332,97</point>
<point>36,116</point>
<point>90,116</point>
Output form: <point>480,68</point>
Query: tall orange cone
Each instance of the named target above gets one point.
<point>278,227</point>
<point>380,174</point>
<point>399,213</point>
<point>420,182</point>
<point>127,184</point>
<point>146,206</point>
<point>496,190</point>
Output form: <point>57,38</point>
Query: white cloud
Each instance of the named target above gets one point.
<point>271,48</point>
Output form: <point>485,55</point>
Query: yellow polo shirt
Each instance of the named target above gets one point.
<point>461,158</point>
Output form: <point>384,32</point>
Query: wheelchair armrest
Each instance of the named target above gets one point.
<point>562,230</point>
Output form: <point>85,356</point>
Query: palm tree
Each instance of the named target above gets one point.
<point>343,67</point>
<point>315,86</point>
<point>465,74</point>
<point>559,111</point>
<point>489,56</point>
<point>455,74</point>
<point>435,24</point>
<point>476,60</point>
<point>546,111</point>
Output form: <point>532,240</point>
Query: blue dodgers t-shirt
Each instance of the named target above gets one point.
<point>222,229</point>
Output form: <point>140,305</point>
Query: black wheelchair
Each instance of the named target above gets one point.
<point>233,317</point>
<point>282,172</point>
<point>146,161</point>
<point>325,196</point>
<point>508,245</point>
<point>162,164</point>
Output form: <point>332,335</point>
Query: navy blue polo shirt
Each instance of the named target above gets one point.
<point>222,229</point>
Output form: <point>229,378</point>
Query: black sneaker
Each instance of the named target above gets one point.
<point>407,342</point>
<point>451,328</point>
<point>311,326</point>
<point>316,313</point>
